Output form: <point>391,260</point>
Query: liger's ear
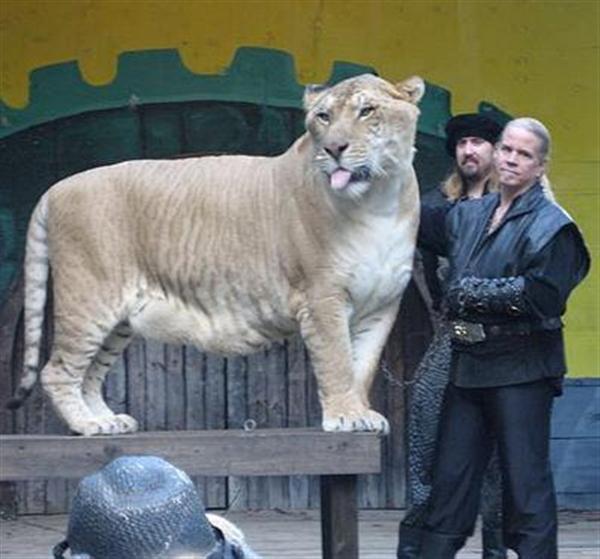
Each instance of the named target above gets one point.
<point>412,89</point>
<point>312,93</point>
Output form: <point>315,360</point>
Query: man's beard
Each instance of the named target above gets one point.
<point>473,173</point>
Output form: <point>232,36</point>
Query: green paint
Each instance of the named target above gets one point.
<point>256,75</point>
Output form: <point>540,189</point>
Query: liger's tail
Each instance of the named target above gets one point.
<point>36,283</point>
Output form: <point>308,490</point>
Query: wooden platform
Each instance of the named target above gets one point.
<point>296,535</point>
<point>336,457</point>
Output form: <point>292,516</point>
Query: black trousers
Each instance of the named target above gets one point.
<point>518,418</point>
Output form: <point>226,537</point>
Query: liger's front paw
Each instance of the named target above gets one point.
<point>108,425</point>
<point>368,420</point>
<point>126,423</point>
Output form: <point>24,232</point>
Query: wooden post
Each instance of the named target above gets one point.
<point>8,499</point>
<point>339,517</point>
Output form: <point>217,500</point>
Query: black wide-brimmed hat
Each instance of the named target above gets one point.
<point>470,124</point>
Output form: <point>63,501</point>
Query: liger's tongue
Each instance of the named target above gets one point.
<point>339,178</point>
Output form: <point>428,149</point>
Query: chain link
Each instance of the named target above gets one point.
<point>391,379</point>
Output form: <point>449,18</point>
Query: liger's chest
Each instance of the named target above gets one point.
<point>378,264</point>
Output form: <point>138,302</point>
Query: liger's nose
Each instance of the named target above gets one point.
<point>335,149</point>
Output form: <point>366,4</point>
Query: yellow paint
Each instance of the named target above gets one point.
<point>531,57</point>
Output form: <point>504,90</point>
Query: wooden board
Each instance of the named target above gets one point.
<point>209,453</point>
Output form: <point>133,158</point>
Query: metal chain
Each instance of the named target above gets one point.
<point>389,376</point>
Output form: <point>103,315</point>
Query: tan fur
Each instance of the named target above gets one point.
<point>230,253</point>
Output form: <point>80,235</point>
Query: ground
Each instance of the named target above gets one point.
<point>296,535</point>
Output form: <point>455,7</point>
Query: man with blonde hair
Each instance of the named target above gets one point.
<point>514,258</point>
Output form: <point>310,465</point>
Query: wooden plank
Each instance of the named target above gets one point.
<point>135,362</point>
<point>256,382</point>
<point>175,388</point>
<point>275,370</point>
<point>194,401</point>
<point>222,453</point>
<point>237,413</point>
<point>194,392</point>
<point>297,412</point>
<point>314,416</point>
<point>10,316</point>
<point>297,371</point>
<point>56,497</point>
<point>33,498</point>
<point>156,386</point>
<point>55,491</point>
<point>214,404</point>
<point>115,386</point>
<point>339,517</point>
<point>8,499</point>
<point>204,397</point>
<point>369,487</point>
<point>392,378</point>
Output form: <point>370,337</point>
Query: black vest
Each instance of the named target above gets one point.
<point>530,226</point>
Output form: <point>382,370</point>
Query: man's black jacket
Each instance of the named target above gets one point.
<point>538,245</point>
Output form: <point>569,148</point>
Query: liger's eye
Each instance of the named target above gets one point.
<point>366,111</point>
<point>323,117</point>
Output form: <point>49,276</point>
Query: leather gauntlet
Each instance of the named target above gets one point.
<point>487,296</point>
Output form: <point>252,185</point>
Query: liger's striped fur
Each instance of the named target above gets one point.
<point>230,253</point>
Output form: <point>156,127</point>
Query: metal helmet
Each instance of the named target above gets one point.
<point>139,507</point>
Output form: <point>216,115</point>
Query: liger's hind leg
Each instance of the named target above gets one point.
<point>64,374</point>
<point>62,379</point>
<point>107,354</point>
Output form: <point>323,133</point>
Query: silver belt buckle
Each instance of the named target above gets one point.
<point>468,332</point>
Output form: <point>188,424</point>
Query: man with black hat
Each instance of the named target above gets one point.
<point>470,142</point>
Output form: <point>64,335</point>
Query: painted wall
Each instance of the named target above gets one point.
<point>530,57</point>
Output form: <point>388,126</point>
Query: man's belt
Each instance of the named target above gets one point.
<point>474,332</point>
